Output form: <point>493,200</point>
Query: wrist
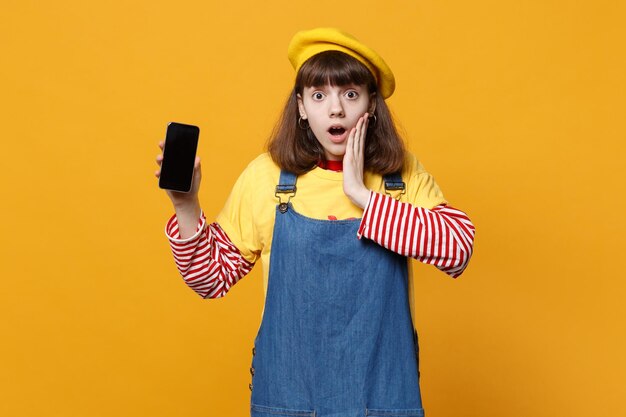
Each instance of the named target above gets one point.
<point>191,205</point>
<point>361,197</point>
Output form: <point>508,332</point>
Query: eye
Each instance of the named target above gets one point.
<point>352,94</point>
<point>317,95</point>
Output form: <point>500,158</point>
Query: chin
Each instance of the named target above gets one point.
<point>335,157</point>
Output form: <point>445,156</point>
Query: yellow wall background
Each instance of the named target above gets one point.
<point>517,108</point>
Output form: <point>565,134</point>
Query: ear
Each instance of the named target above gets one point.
<point>301,109</point>
<point>372,103</point>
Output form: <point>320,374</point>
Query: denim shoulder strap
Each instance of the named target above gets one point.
<point>287,182</point>
<point>393,182</point>
<point>286,186</point>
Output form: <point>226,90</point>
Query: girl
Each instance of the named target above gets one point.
<point>333,210</point>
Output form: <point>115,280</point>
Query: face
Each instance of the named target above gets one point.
<point>332,111</point>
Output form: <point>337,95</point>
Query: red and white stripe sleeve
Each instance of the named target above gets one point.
<point>443,236</point>
<point>208,261</point>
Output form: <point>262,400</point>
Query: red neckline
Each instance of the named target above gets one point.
<point>331,165</point>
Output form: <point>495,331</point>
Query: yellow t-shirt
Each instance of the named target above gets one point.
<point>248,216</point>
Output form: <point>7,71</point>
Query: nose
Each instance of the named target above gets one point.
<point>335,107</point>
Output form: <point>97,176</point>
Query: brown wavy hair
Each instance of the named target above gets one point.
<point>297,150</point>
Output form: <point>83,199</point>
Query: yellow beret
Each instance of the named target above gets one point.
<point>307,43</point>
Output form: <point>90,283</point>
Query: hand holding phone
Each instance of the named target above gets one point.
<point>179,155</point>
<point>186,204</point>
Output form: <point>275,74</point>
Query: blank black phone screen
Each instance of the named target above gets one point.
<point>179,155</point>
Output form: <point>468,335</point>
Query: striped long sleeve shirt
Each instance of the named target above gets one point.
<point>210,264</point>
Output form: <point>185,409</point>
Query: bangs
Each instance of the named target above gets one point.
<point>334,68</point>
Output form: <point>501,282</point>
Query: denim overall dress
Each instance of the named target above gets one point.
<point>336,339</point>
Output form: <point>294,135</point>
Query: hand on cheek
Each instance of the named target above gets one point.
<point>353,164</point>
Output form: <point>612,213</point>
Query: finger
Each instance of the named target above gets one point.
<point>363,124</point>
<point>351,142</point>
<point>159,158</point>
<point>366,119</point>
<point>358,136</point>
<point>364,131</point>
<point>355,148</point>
<point>157,173</point>
<point>161,144</point>
<point>357,140</point>
<point>197,168</point>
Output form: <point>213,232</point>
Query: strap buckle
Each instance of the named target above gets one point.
<point>284,189</point>
<point>395,186</point>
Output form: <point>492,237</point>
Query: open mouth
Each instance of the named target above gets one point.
<point>336,131</point>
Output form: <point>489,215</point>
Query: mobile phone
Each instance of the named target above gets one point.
<point>179,156</point>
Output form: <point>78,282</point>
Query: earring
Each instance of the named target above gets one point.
<point>373,116</point>
<point>300,119</point>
